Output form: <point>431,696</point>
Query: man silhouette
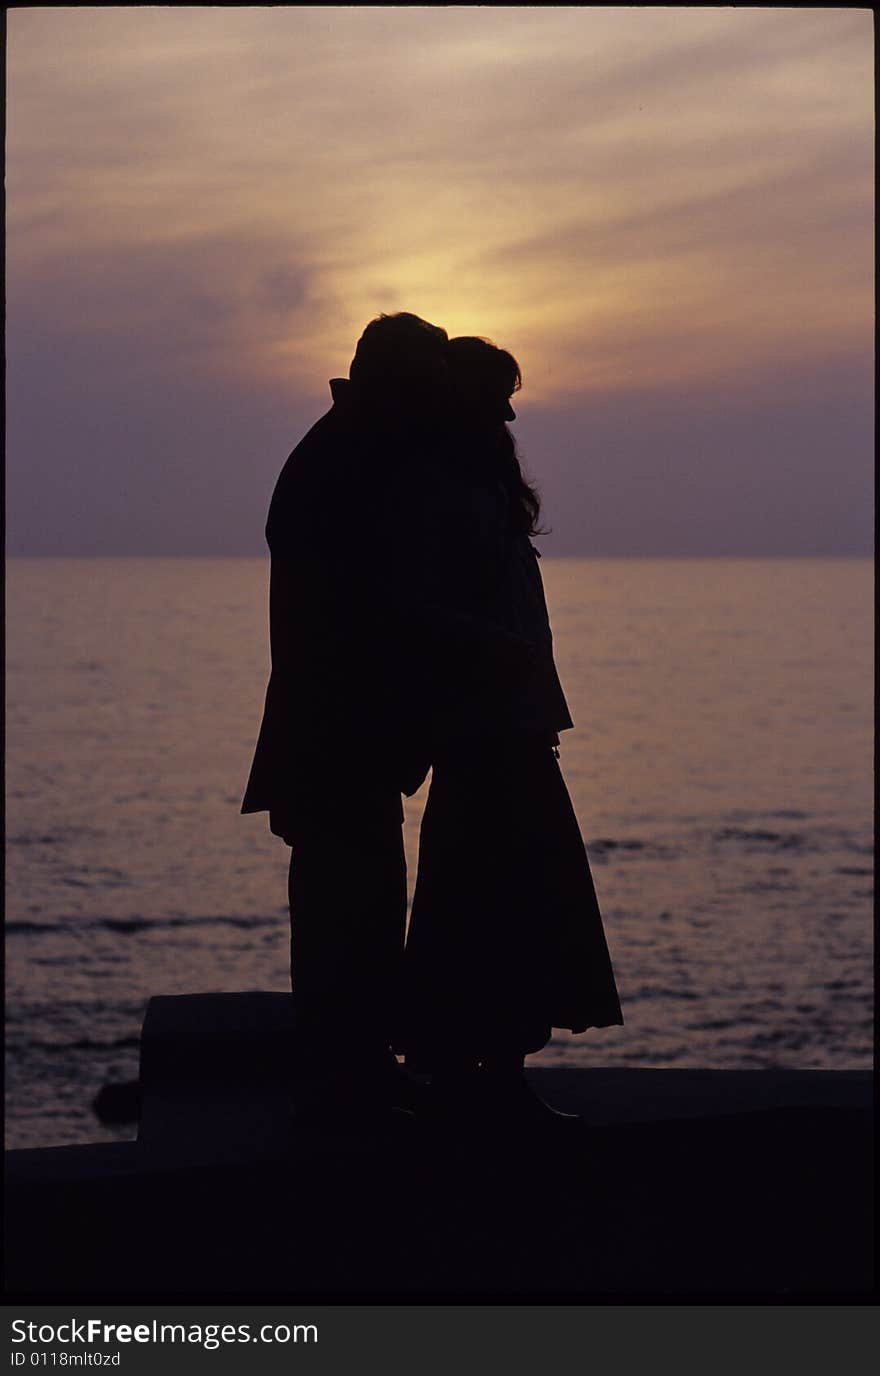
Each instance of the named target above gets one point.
<point>333,753</point>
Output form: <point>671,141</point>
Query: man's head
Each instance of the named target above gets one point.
<point>400,361</point>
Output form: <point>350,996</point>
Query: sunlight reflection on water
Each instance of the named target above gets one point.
<point>720,767</point>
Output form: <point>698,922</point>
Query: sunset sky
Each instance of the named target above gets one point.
<point>665,213</point>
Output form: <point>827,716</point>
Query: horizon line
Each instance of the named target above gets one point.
<point>264,555</point>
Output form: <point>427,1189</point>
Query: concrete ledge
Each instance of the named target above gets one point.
<point>215,1077</point>
<point>768,1202</point>
<point>687,1182</point>
<point>646,1096</point>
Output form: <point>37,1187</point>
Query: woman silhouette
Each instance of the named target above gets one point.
<point>505,939</point>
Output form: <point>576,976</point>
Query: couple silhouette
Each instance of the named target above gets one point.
<point>409,632</point>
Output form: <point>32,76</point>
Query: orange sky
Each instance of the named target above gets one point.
<point>630,199</point>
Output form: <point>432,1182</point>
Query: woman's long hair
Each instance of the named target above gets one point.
<point>483,378</point>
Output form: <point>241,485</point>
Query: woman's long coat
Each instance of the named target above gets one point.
<point>506,939</point>
<point>480,648</point>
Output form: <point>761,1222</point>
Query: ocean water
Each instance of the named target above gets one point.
<point>720,767</point>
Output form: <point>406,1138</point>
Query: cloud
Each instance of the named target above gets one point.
<point>635,201</point>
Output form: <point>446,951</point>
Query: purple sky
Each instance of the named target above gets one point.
<point>666,214</point>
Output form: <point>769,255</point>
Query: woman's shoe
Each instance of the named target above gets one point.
<point>487,1104</point>
<point>511,1102</point>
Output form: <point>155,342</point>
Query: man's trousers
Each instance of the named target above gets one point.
<point>347,892</point>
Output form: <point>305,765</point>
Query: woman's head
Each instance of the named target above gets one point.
<point>482,379</point>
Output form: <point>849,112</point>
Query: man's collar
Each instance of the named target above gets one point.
<point>340,389</point>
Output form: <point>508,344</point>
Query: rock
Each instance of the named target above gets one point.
<point>118,1104</point>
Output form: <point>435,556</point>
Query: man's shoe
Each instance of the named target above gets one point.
<point>328,1111</point>
<point>401,1089</point>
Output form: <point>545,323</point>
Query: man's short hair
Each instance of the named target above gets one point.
<point>397,351</point>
